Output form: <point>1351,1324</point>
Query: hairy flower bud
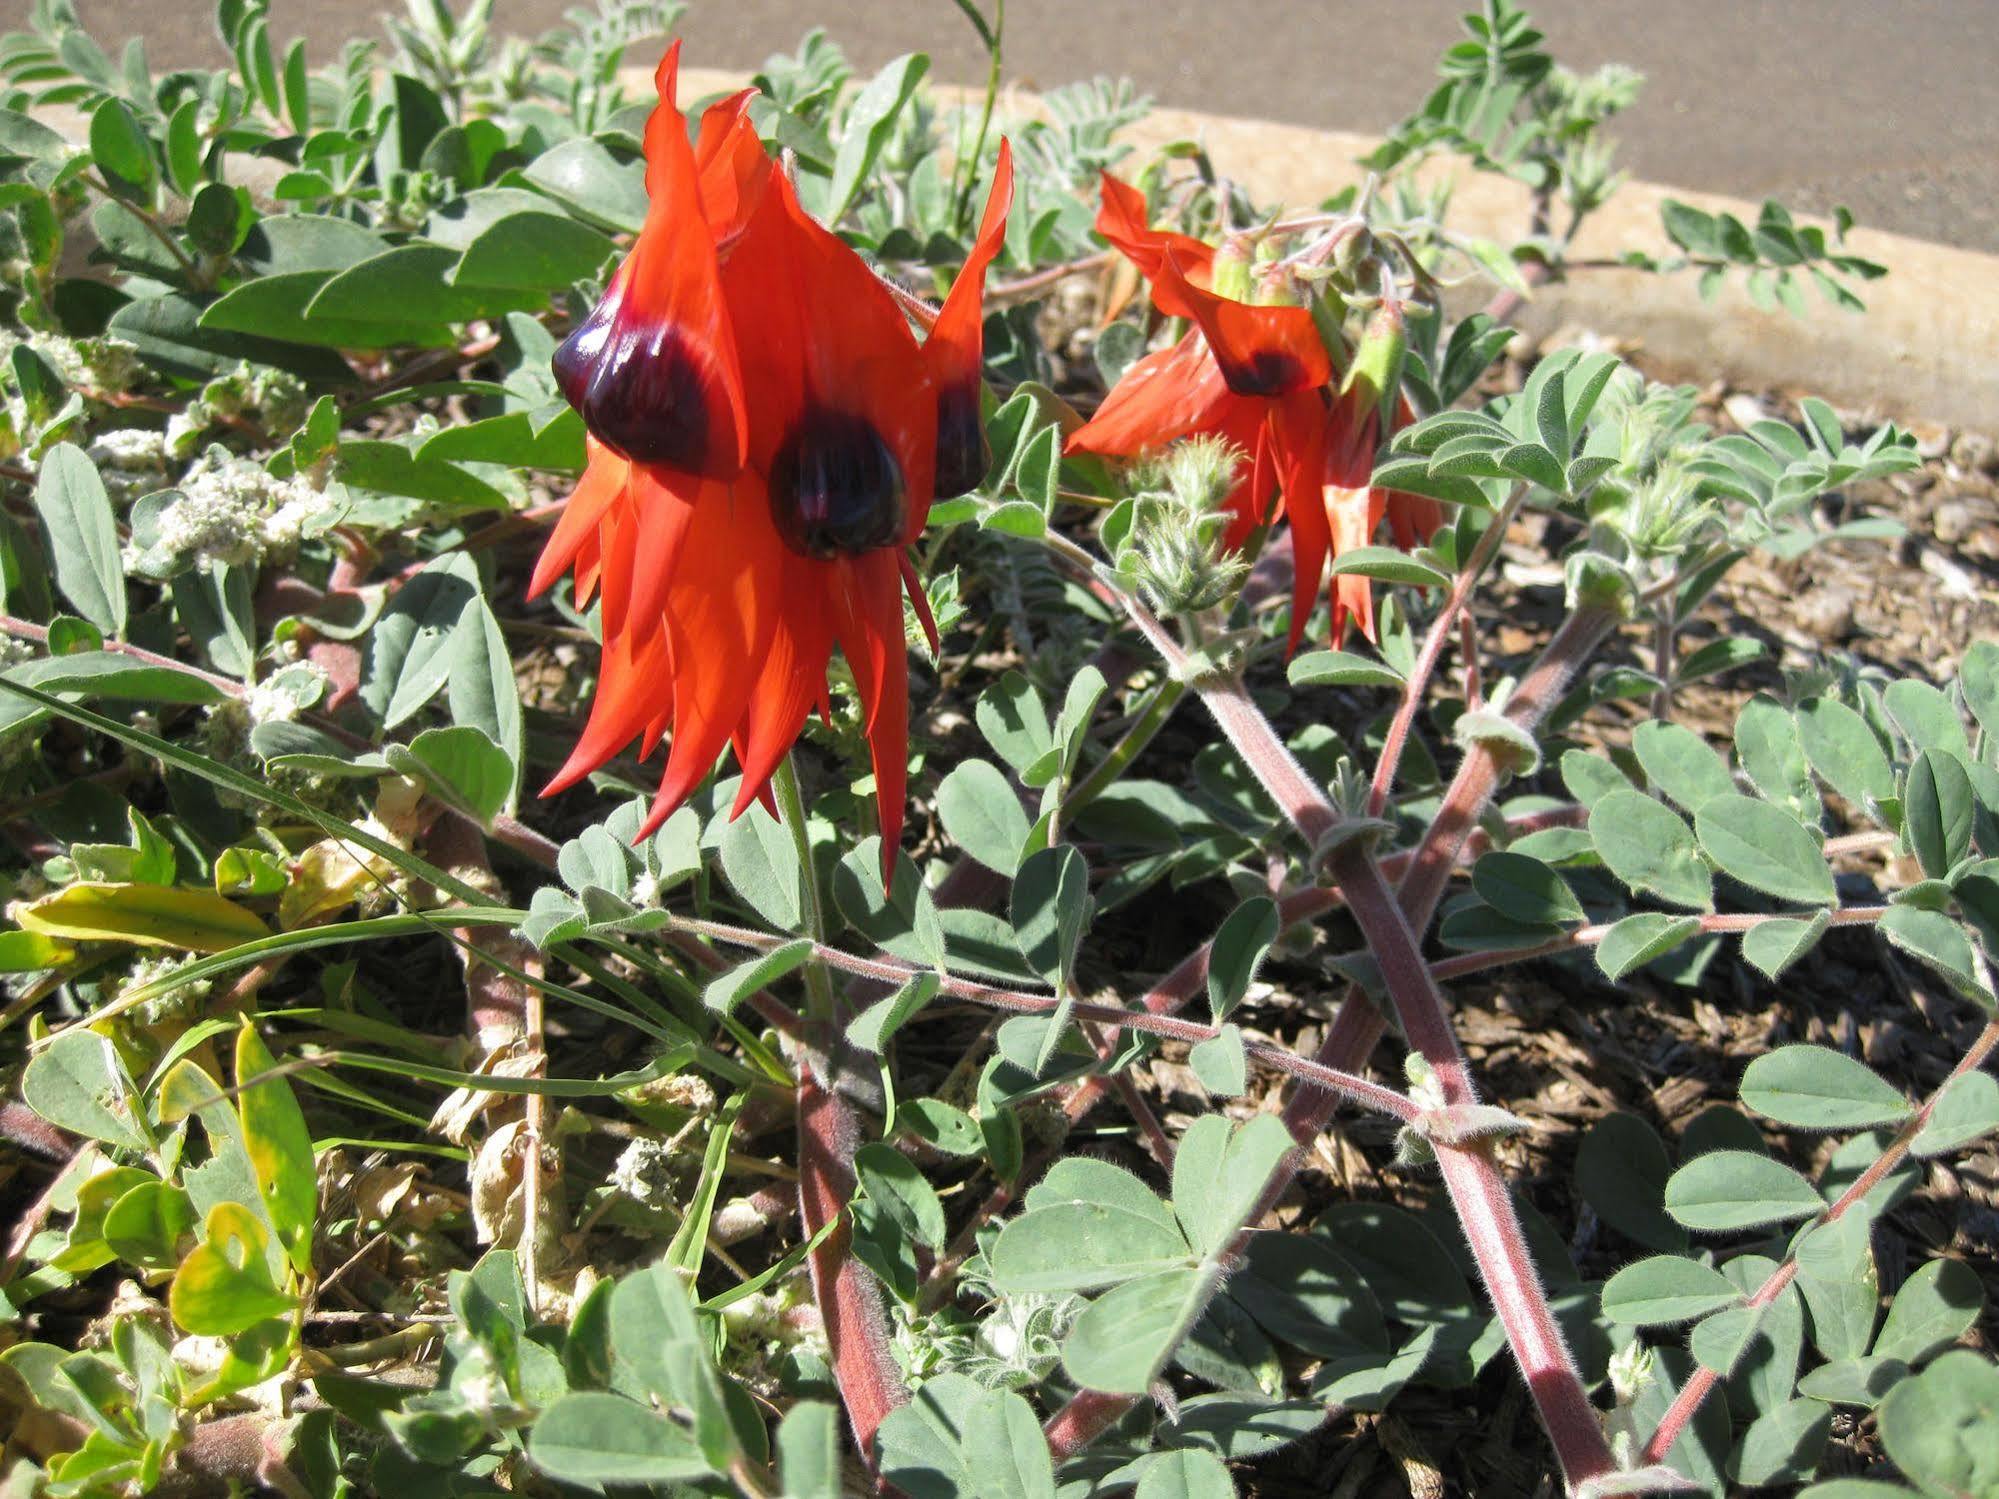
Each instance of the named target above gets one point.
<point>1173,551</point>
<point>1597,582</point>
<point>1375,375</point>
<point>1229,275</point>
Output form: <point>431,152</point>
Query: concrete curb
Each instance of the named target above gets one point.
<point>1926,348</point>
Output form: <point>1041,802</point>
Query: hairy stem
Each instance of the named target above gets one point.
<point>1478,1193</point>
<point>791,808</point>
<point>1143,730</point>
<point>894,972</point>
<point>1697,1389</point>
<point>1433,649</point>
<point>848,1296</point>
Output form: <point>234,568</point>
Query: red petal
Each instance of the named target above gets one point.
<point>1298,449</point>
<point>722,611</point>
<point>1122,220</point>
<point>1354,514</point>
<point>956,347</point>
<point>1164,397</point>
<point>792,678</point>
<point>919,601</point>
<point>867,618</point>
<point>956,342</point>
<point>733,166</point>
<point>1263,351</point>
<point>602,482</point>
<point>653,369</point>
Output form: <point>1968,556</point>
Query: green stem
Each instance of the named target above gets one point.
<point>994,38</point>
<point>791,810</point>
<point>1143,730</point>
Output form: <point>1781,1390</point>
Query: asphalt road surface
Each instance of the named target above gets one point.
<point>1884,105</point>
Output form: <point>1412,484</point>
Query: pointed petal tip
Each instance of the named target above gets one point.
<point>666,76</point>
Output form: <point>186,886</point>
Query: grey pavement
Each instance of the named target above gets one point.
<point>1884,105</point>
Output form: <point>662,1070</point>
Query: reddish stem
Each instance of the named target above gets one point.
<point>1478,1193</point>
<point>1087,1416</point>
<point>1697,1389</point>
<point>848,1297</point>
<point>1433,649</point>
<point>1464,803</point>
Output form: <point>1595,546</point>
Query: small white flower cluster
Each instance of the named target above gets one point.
<point>229,510</point>
<point>274,397</point>
<point>95,364</point>
<point>92,364</point>
<point>177,1003</point>
<point>645,1173</point>
<point>286,693</point>
<point>131,461</point>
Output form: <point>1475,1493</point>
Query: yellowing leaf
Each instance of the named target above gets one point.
<point>280,1145</point>
<point>328,877</point>
<point>225,1285</point>
<point>146,915</point>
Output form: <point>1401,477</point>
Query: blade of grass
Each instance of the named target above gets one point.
<point>690,1240</point>
<point>552,1087</point>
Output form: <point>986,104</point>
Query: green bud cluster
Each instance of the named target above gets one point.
<point>1172,552</point>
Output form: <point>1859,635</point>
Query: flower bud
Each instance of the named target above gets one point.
<point>1173,551</point>
<point>1229,274</point>
<point>1351,251</point>
<point>1375,376</point>
<point>1597,582</point>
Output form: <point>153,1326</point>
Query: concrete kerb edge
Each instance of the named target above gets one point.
<point>1926,348</point>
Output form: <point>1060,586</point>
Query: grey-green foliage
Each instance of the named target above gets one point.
<point>1507,106</point>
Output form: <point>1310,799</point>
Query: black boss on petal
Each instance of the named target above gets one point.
<point>963,454</point>
<point>637,389</point>
<point>1267,372</point>
<point>835,488</point>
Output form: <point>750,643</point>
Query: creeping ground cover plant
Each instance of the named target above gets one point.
<point>820,786</point>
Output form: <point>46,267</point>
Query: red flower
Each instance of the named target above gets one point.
<point>1261,377</point>
<point>765,437</point>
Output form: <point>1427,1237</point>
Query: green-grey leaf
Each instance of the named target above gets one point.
<point>982,814</point>
<point>83,536</point>
<point>1238,950</point>
<point>1681,764</point>
<point>1935,1307</point>
<point>1774,945</point>
<point>1124,1338</point>
<point>869,122</point>
<point>1726,1190</point>
<point>761,864</point>
<point>1766,848</point>
<point>1051,911</point>
<point>1219,1173</point>
<point>1967,1108</point>
<point>593,1437</point>
<point>1815,1087</point>
<point>728,989</point>
<point>1937,807</point>
<point>1844,752</point>
<point>1651,849</point>
<point>1641,938</point>
<point>898,1185</point>
<point>1081,1246</point>
<point>1665,1290</point>
<point>77,1083</point>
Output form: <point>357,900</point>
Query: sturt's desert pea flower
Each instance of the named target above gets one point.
<point>1254,369</point>
<point>766,435</point>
